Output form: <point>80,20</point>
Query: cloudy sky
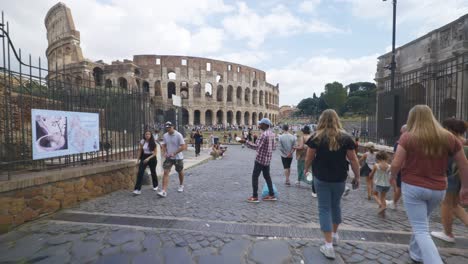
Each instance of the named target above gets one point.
<point>300,44</point>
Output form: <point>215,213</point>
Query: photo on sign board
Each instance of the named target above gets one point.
<point>51,133</point>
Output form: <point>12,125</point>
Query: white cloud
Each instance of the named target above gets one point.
<point>309,6</point>
<point>249,58</point>
<point>302,78</point>
<point>423,16</point>
<point>246,24</point>
<point>121,28</point>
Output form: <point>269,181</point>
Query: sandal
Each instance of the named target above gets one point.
<point>253,200</point>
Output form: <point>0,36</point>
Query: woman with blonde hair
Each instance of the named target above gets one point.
<point>422,156</point>
<point>329,150</point>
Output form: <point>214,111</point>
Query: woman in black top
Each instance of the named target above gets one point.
<point>148,153</point>
<point>329,150</point>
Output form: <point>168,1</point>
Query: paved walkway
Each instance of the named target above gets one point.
<point>211,223</point>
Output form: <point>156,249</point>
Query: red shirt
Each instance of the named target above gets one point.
<point>423,171</point>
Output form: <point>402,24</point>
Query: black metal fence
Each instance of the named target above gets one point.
<point>443,86</point>
<point>24,85</point>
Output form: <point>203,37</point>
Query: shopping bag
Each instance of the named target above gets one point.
<point>265,191</point>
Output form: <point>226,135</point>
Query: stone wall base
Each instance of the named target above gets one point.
<point>22,200</point>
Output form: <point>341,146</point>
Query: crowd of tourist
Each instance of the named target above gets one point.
<point>428,168</point>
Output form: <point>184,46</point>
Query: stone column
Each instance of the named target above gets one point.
<point>202,117</point>
<point>225,118</point>
<point>191,116</point>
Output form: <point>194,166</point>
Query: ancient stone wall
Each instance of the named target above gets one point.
<point>26,198</point>
<point>238,94</point>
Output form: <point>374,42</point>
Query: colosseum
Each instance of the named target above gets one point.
<point>213,92</point>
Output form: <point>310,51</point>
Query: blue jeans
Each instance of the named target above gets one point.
<point>329,200</point>
<point>419,203</point>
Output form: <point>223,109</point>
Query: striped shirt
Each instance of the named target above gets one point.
<point>264,145</point>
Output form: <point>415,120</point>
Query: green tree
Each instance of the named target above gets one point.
<point>308,106</point>
<point>335,95</point>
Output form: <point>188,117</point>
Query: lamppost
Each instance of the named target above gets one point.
<point>393,63</point>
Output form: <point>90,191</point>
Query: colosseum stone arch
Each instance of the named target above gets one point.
<point>212,91</point>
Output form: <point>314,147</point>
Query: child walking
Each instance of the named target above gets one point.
<point>381,175</point>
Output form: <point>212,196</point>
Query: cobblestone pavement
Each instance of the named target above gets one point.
<point>211,223</point>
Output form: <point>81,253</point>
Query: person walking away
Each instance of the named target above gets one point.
<point>198,138</point>
<point>301,150</point>
<point>381,175</point>
<point>264,147</point>
<point>397,187</point>
<point>172,147</point>
<point>148,152</point>
<point>450,206</point>
<point>369,158</point>
<point>422,156</point>
<point>329,150</point>
<point>286,148</point>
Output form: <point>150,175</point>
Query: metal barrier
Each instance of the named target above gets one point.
<point>124,114</point>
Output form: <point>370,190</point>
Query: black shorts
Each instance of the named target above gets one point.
<point>365,170</point>
<point>286,162</point>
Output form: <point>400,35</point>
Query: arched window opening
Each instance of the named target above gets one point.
<point>197,90</point>
<point>108,83</point>
<point>171,89</point>
<point>229,93</point>
<point>98,76</point>
<point>247,95</point>
<point>219,78</point>
<point>157,88</point>
<point>208,117</point>
<point>196,117</point>
<point>171,75</point>
<point>208,90</point>
<point>219,93</point>
<point>123,83</point>
<point>219,117</point>
<point>146,87</point>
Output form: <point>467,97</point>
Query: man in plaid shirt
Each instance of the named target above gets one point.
<point>264,146</point>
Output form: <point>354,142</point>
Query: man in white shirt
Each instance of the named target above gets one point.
<point>172,146</point>
<point>286,148</point>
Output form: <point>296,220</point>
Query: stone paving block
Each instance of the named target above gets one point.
<point>270,252</point>
<point>24,247</point>
<point>147,257</point>
<point>151,242</point>
<point>114,259</point>
<point>123,236</point>
<point>62,239</point>
<point>85,251</point>
<point>204,251</point>
<point>176,255</point>
<point>56,259</point>
<point>313,255</point>
<point>132,247</point>
<point>210,259</point>
<point>235,248</point>
<point>110,250</point>
<point>355,258</point>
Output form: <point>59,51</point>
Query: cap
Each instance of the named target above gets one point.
<point>369,145</point>
<point>265,121</point>
<point>168,124</point>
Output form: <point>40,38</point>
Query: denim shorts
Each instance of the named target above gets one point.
<point>453,184</point>
<point>380,189</point>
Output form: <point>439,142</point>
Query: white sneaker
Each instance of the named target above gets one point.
<point>328,252</point>
<point>443,236</point>
<point>181,188</point>
<point>336,240</point>
<point>136,192</point>
<point>314,195</point>
<point>162,193</point>
<point>346,191</point>
<point>155,188</point>
<point>390,204</point>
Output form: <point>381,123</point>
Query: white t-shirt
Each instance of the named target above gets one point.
<point>173,142</point>
<point>370,159</point>
<point>145,145</point>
